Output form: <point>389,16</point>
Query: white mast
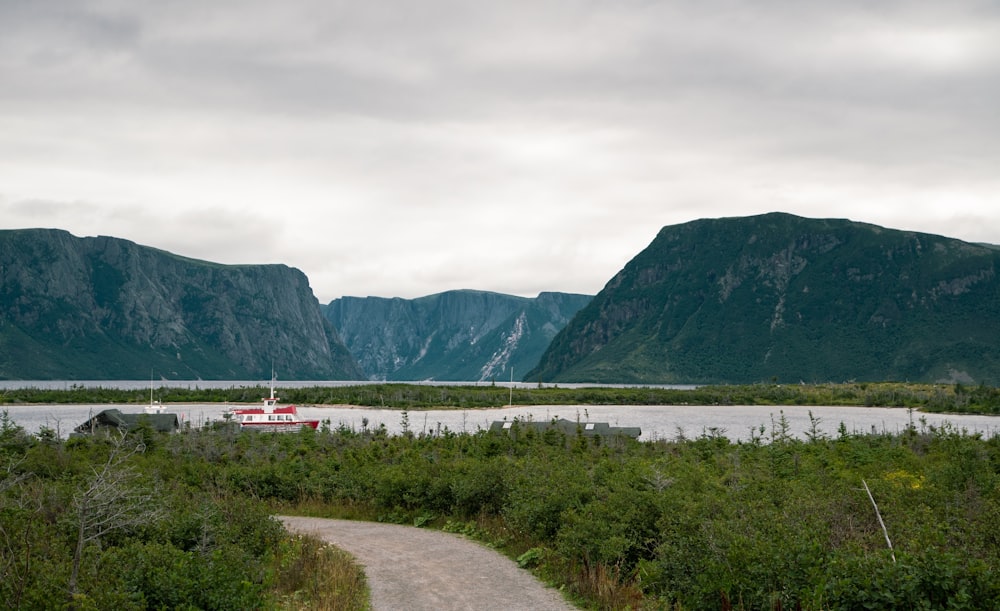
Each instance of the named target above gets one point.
<point>510,402</point>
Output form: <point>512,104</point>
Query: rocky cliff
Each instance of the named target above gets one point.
<point>455,335</point>
<point>783,298</point>
<point>105,308</point>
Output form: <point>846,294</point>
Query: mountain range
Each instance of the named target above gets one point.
<point>768,298</point>
<point>456,335</point>
<point>783,298</point>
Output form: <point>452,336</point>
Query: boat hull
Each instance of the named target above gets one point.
<point>278,427</point>
<point>269,417</point>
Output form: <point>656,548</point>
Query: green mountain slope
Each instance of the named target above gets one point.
<point>455,335</point>
<point>105,308</point>
<point>780,297</point>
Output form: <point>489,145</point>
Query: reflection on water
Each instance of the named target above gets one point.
<point>656,422</point>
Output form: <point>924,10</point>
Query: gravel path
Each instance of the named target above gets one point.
<point>427,570</point>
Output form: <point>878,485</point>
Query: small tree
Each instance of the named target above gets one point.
<point>814,433</point>
<point>13,438</point>
<point>111,499</point>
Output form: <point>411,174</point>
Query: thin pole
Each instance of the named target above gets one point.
<point>878,514</point>
<point>510,402</point>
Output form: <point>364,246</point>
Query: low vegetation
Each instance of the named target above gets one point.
<point>956,398</point>
<point>699,523</point>
<point>317,576</point>
<point>134,522</point>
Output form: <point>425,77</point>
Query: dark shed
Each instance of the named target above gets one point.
<point>114,420</point>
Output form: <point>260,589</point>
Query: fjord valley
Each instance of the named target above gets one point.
<point>782,298</point>
<point>768,298</point>
<point>697,521</point>
<point>452,336</point>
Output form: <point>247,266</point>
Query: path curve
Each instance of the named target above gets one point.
<point>428,570</point>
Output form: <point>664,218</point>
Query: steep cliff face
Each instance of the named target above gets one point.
<point>106,308</point>
<point>779,297</point>
<point>456,335</point>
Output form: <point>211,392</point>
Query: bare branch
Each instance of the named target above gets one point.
<point>111,499</point>
<point>12,479</point>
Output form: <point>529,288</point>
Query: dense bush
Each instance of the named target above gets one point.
<point>101,523</point>
<point>700,523</point>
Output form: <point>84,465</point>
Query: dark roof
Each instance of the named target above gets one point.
<point>113,418</point>
<point>588,429</point>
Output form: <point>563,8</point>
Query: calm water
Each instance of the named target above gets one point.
<point>656,422</point>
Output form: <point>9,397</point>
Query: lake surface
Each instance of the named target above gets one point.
<point>656,421</point>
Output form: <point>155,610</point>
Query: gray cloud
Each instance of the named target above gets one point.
<point>406,148</point>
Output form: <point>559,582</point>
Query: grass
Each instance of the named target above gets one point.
<point>317,576</point>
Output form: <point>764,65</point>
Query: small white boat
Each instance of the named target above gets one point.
<point>154,407</point>
<point>270,417</point>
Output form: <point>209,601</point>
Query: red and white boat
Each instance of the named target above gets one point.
<point>270,417</point>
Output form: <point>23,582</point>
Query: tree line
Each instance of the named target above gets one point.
<point>954,398</point>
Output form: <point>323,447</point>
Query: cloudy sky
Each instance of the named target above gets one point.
<point>405,148</point>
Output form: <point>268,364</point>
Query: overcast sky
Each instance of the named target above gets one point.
<point>406,148</point>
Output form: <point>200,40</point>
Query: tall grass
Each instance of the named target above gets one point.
<point>317,576</point>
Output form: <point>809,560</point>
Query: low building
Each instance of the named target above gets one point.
<point>587,429</point>
<point>113,420</point>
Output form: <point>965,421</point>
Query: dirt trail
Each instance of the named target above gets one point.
<point>414,569</point>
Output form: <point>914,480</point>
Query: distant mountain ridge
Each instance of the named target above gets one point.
<point>105,308</point>
<point>773,297</point>
<point>778,297</point>
<point>461,335</point>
